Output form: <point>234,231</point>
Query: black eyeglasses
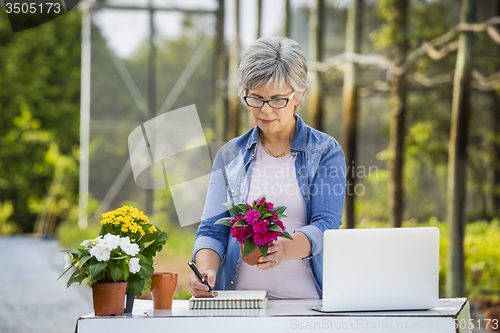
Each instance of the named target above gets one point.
<point>275,103</point>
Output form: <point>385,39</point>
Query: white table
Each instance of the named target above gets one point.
<point>280,316</point>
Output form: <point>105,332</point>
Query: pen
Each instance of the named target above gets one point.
<point>202,279</point>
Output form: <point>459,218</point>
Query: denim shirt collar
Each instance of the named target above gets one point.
<point>299,138</point>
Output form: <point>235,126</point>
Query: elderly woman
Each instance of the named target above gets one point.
<point>290,163</point>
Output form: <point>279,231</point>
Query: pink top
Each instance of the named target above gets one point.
<point>290,279</point>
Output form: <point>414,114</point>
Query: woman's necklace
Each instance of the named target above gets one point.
<point>282,154</point>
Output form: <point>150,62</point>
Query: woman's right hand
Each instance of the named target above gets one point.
<point>197,288</point>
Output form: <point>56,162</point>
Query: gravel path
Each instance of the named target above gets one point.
<point>31,298</point>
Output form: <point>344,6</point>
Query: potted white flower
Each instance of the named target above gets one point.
<point>107,263</point>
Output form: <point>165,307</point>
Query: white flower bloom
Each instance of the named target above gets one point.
<point>86,243</point>
<point>112,237</point>
<point>133,265</point>
<point>109,241</point>
<point>67,260</point>
<point>101,253</point>
<point>127,247</point>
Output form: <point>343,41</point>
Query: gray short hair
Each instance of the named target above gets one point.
<point>273,59</point>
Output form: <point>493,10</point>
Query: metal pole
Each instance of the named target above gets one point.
<point>84,115</point>
<point>148,207</point>
<point>259,19</point>
<point>234,60</point>
<point>288,19</point>
<point>220,105</point>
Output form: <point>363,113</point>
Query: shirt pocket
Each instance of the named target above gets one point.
<point>233,191</point>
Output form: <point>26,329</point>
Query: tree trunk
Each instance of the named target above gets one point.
<point>398,116</point>
<point>496,143</point>
<point>496,153</point>
<point>350,106</point>
<point>220,105</point>
<point>457,156</point>
<point>316,23</point>
<point>234,61</point>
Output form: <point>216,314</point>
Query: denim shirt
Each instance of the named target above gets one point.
<point>320,170</point>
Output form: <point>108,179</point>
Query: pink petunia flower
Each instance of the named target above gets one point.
<point>235,219</point>
<point>270,207</point>
<point>280,224</point>
<point>265,238</point>
<point>275,216</point>
<point>252,216</point>
<point>260,226</point>
<point>261,201</point>
<point>242,233</point>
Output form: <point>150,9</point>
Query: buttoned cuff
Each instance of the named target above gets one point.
<point>315,236</point>
<point>206,242</point>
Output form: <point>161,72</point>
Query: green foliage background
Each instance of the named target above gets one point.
<point>39,119</point>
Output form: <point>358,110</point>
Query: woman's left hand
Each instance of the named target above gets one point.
<point>275,256</point>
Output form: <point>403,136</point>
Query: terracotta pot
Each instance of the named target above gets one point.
<point>109,298</point>
<point>162,289</point>
<point>253,258</point>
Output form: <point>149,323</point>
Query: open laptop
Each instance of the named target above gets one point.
<point>380,269</point>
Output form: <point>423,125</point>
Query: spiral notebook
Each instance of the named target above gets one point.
<point>232,299</point>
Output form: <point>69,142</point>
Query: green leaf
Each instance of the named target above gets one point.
<point>67,269</point>
<point>274,227</point>
<point>97,268</point>
<point>279,209</point>
<point>248,247</point>
<point>243,208</point>
<point>146,268</point>
<point>116,273</point>
<point>75,277</point>
<point>78,252</point>
<point>84,260</point>
<point>148,237</point>
<point>241,223</point>
<point>151,249</point>
<point>285,234</point>
<point>265,216</point>
<point>120,258</point>
<point>135,287</point>
<point>231,207</point>
<point>224,221</point>
<point>263,249</point>
<point>125,270</point>
<point>144,259</point>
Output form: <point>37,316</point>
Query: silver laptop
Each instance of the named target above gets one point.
<point>380,269</point>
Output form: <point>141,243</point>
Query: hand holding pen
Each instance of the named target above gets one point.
<point>200,279</point>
